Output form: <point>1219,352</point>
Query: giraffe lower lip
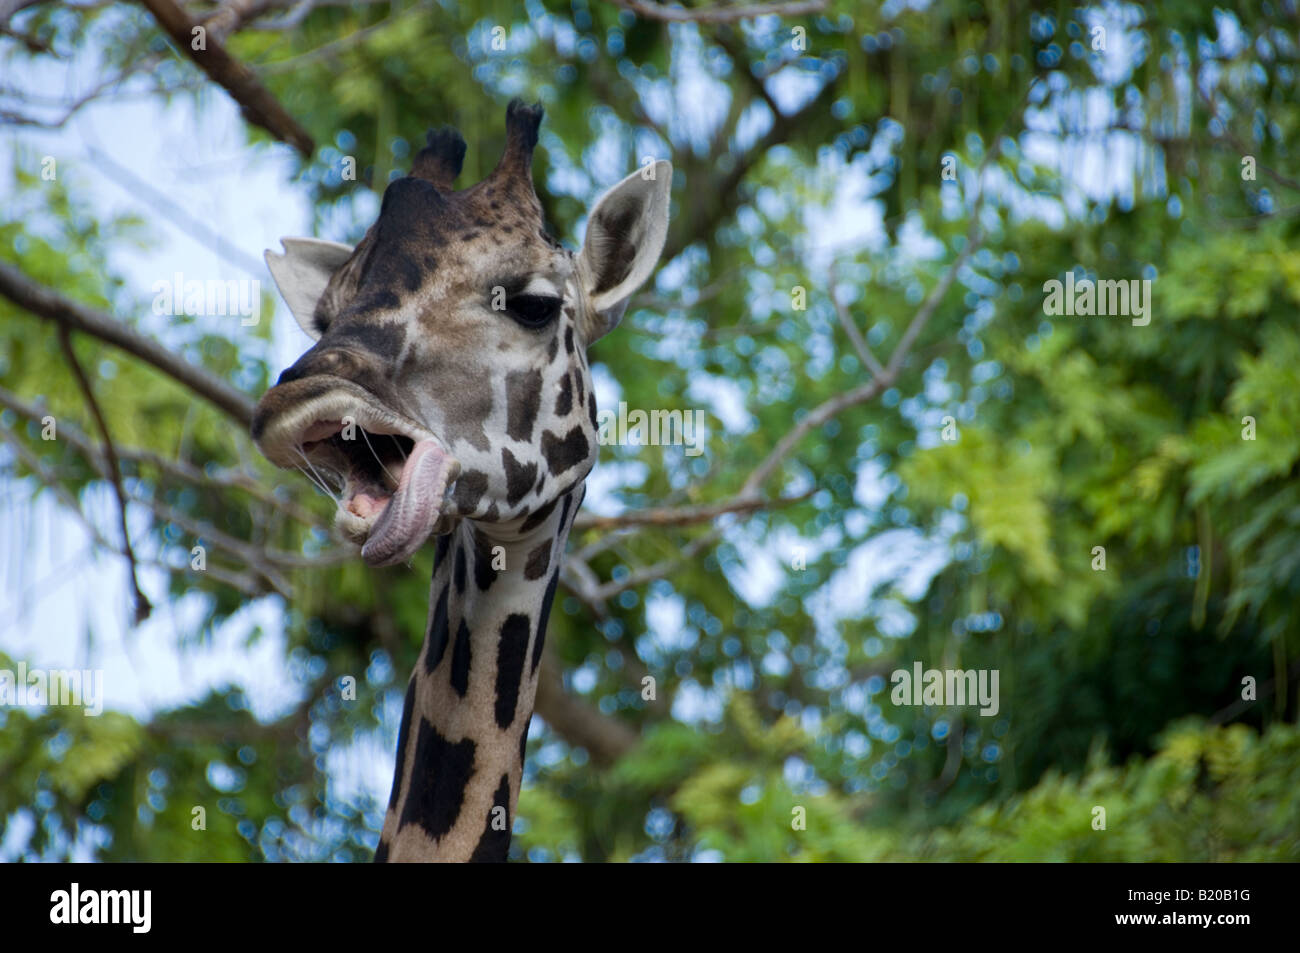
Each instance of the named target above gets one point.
<point>410,514</point>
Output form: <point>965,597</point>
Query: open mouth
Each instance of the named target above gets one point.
<point>389,476</point>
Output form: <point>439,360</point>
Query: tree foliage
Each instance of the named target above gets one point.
<point>952,518</point>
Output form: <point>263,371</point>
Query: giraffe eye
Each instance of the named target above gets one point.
<point>534,311</point>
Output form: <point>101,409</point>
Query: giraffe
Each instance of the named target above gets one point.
<point>449,393</point>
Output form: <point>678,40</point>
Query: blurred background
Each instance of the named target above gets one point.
<point>907,459</point>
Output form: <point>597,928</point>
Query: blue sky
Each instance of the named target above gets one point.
<point>54,587</point>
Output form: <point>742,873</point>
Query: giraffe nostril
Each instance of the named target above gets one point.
<point>288,374</point>
<point>316,362</point>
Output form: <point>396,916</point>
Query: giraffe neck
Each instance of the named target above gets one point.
<point>460,748</point>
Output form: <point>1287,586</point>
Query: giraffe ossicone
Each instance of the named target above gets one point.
<point>448,395</point>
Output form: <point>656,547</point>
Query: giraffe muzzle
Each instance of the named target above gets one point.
<point>395,474</point>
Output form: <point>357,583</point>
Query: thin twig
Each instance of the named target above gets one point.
<point>346,42</point>
<point>659,570</point>
<point>235,15</point>
<point>232,16</point>
<point>71,109</point>
<point>51,482</point>
<point>225,478</point>
<point>851,329</point>
<point>112,469</point>
<point>169,208</point>
<point>683,515</point>
<point>886,378</point>
<point>653,11</point>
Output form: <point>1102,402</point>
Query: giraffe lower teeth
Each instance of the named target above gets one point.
<point>365,505</point>
<point>394,486</point>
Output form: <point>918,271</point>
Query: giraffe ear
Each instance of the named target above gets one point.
<point>625,234</point>
<point>302,273</point>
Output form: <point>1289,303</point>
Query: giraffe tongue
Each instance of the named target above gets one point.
<point>410,515</point>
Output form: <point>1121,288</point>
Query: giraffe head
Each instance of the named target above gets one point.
<point>449,377</point>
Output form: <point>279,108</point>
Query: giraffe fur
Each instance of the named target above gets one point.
<point>449,392</point>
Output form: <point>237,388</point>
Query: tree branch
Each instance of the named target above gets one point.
<point>180,469</point>
<point>723,192</point>
<point>604,737</point>
<point>259,106</point>
<point>886,378</point>
<point>813,419</point>
<point>52,483</point>
<point>265,562</point>
<point>720,14</point>
<point>49,304</point>
<point>683,515</point>
<point>580,581</point>
<point>660,569</point>
<point>1241,148</point>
